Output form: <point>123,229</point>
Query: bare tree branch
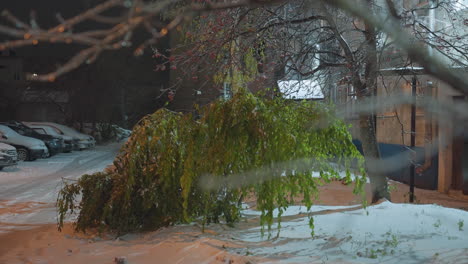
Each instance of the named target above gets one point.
<point>414,49</point>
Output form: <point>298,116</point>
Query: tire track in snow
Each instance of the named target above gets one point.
<point>37,188</point>
<point>43,189</point>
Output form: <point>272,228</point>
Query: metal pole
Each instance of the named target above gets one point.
<point>413,138</point>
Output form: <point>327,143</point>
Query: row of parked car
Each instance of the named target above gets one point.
<point>28,141</point>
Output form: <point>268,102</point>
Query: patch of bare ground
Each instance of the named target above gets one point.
<point>336,193</point>
<point>181,244</point>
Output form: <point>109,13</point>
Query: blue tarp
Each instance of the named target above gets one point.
<point>399,161</point>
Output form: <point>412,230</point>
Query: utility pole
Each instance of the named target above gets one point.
<point>413,138</point>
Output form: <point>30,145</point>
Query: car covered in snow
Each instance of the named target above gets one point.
<point>28,148</point>
<point>8,155</point>
<point>70,143</point>
<point>121,133</point>
<point>105,131</point>
<point>84,141</point>
<point>54,144</point>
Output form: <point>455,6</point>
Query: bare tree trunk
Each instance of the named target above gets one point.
<point>368,122</point>
<point>378,180</point>
<point>365,90</point>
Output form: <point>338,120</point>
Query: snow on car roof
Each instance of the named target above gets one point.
<point>63,128</point>
<point>300,89</point>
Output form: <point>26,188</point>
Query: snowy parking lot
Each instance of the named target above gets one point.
<point>28,191</point>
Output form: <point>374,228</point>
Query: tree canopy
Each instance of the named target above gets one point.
<point>162,173</point>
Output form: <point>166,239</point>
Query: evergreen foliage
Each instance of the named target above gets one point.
<point>158,176</point>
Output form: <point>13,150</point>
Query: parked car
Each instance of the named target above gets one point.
<point>84,141</point>
<point>27,148</point>
<point>104,132</point>
<point>54,144</point>
<point>70,143</point>
<point>8,155</point>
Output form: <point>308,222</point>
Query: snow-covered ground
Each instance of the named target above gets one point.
<point>383,233</point>
<point>29,190</point>
<point>344,233</point>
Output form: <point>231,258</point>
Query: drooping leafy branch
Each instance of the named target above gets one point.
<point>159,172</point>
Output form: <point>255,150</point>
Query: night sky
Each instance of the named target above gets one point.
<point>46,11</point>
<point>97,88</point>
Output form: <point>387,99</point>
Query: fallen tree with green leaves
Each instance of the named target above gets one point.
<point>161,175</point>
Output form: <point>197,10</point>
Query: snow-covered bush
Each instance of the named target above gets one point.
<point>161,171</point>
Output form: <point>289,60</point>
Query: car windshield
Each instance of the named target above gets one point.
<point>20,131</point>
<point>51,131</point>
<point>28,129</point>
<point>57,130</point>
<point>68,130</point>
<point>40,131</point>
<point>25,131</point>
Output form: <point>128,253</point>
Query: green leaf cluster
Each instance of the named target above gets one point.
<point>178,168</point>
